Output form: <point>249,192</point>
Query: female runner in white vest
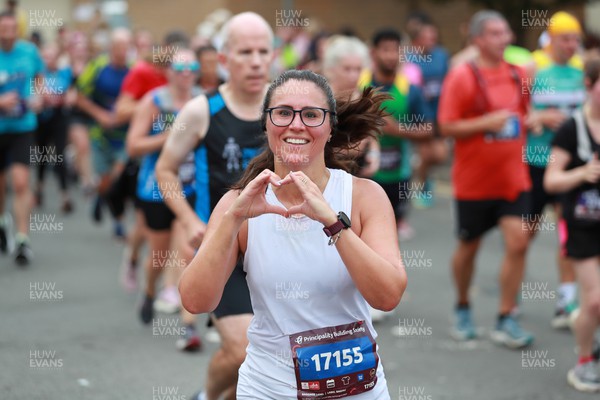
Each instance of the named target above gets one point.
<point>311,335</point>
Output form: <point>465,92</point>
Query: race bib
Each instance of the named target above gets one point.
<point>587,206</point>
<point>187,170</point>
<point>18,111</point>
<point>334,362</point>
<point>432,89</point>
<point>510,131</point>
<point>389,159</point>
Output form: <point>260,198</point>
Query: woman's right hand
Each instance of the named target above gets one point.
<point>252,201</point>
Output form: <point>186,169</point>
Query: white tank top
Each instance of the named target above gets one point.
<point>297,282</point>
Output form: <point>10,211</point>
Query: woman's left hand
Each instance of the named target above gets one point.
<point>314,205</point>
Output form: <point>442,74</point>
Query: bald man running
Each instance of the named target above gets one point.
<point>224,129</point>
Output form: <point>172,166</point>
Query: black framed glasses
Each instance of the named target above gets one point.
<point>310,116</point>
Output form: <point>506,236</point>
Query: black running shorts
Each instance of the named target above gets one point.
<point>236,296</point>
<point>583,242</point>
<point>15,148</point>
<point>475,217</point>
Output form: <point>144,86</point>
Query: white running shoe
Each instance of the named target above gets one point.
<point>168,301</point>
<point>584,377</point>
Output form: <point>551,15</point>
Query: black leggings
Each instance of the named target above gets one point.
<point>52,130</point>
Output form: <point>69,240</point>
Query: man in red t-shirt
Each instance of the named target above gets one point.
<point>483,106</point>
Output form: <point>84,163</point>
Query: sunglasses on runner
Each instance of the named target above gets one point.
<point>193,66</point>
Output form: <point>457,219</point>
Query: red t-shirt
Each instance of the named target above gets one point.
<point>141,79</point>
<point>486,168</point>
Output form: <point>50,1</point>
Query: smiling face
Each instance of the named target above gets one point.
<point>297,145</point>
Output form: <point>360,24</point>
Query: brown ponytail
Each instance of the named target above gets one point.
<point>354,121</point>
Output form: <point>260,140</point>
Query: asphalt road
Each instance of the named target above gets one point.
<point>69,331</point>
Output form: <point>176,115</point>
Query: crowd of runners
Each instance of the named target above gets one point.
<point>250,157</point>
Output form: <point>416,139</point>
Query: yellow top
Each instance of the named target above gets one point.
<point>542,60</point>
<point>401,82</point>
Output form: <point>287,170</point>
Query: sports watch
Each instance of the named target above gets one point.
<point>342,223</point>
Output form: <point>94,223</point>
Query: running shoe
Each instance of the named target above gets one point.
<point>23,254</point>
<point>67,206</point>
<point>422,202</point>
<point>146,311</point>
<point>377,315</point>
<point>190,341</point>
<point>562,316</point>
<point>201,395</point>
<point>584,377</point>
<point>212,335</point>
<point>463,329</point>
<point>424,198</point>
<point>168,301</point>
<point>509,333</point>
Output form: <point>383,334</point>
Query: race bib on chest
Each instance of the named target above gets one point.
<point>389,159</point>
<point>432,89</point>
<point>587,206</point>
<point>334,362</point>
<point>510,131</point>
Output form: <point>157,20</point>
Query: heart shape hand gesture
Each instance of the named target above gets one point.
<point>314,205</point>
<point>252,201</point>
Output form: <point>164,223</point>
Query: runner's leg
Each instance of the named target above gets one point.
<point>516,240</point>
<point>463,266</point>
<point>224,365</point>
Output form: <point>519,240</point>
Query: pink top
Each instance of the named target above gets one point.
<point>412,73</point>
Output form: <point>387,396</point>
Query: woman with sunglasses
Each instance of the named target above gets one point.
<point>319,247</point>
<point>150,126</point>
